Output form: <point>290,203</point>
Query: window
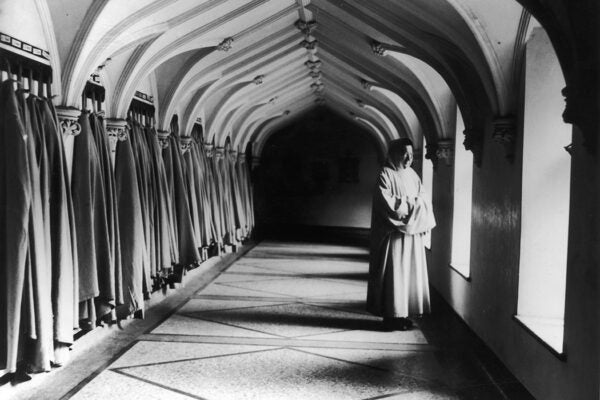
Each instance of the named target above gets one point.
<point>461,215</point>
<point>545,195</point>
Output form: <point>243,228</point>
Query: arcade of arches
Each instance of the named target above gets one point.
<point>162,139</point>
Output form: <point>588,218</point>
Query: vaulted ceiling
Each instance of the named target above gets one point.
<point>244,68</point>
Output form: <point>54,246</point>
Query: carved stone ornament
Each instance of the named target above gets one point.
<point>286,112</point>
<point>69,121</point>
<point>580,111</point>
<point>117,130</point>
<point>306,27</point>
<point>209,149</point>
<point>225,45</point>
<point>312,65</point>
<point>163,138</point>
<point>185,143</point>
<point>241,157</point>
<point>255,162</point>
<point>378,48</point>
<point>505,132</point>
<point>258,80</point>
<point>366,84</point>
<point>360,103</point>
<point>431,153</point>
<point>219,153</point>
<point>445,150</point>
<point>312,45</point>
<point>317,86</point>
<point>314,74</point>
<point>474,143</point>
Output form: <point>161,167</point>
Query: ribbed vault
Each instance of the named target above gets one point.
<point>243,69</point>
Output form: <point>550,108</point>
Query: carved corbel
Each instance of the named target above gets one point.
<point>219,153</point>
<point>379,49</point>
<point>579,111</point>
<point>225,45</point>
<point>474,143</point>
<point>163,138</point>
<point>69,120</point>
<point>185,143</point>
<point>431,153</point>
<point>505,132</point>
<point>366,84</point>
<point>445,150</point>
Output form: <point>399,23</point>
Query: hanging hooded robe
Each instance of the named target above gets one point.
<point>398,282</point>
<point>15,203</point>
<point>62,255</point>
<point>93,243</point>
<point>130,225</point>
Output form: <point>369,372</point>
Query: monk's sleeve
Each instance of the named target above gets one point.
<point>390,207</point>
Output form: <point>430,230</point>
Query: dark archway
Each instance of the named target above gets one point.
<point>316,174</point>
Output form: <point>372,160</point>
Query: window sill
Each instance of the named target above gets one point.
<point>548,331</point>
<point>458,268</point>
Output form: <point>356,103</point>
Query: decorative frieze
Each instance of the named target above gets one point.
<point>379,48</point>
<point>225,45</point>
<point>24,46</point>
<point>505,132</point>
<point>69,120</point>
<point>163,138</point>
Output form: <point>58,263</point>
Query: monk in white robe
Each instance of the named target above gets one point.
<point>398,282</point>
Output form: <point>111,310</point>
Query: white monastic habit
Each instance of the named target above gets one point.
<point>398,283</point>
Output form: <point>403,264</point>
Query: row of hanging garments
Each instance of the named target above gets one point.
<point>138,209</point>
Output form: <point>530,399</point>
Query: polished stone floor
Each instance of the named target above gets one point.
<point>287,321</point>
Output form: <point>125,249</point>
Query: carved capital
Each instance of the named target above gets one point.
<point>378,48</point>
<point>474,143</point>
<point>117,130</point>
<point>219,153</point>
<point>225,45</point>
<point>241,156</point>
<point>306,27</point>
<point>445,150</point>
<point>209,150</point>
<point>185,143</point>
<point>313,65</point>
<point>505,132</point>
<point>255,162</point>
<point>163,138</point>
<point>258,80</point>
<point>309,45</point>
<point>69,120</point>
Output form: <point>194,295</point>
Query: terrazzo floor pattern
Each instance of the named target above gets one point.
<point>287,321</point>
